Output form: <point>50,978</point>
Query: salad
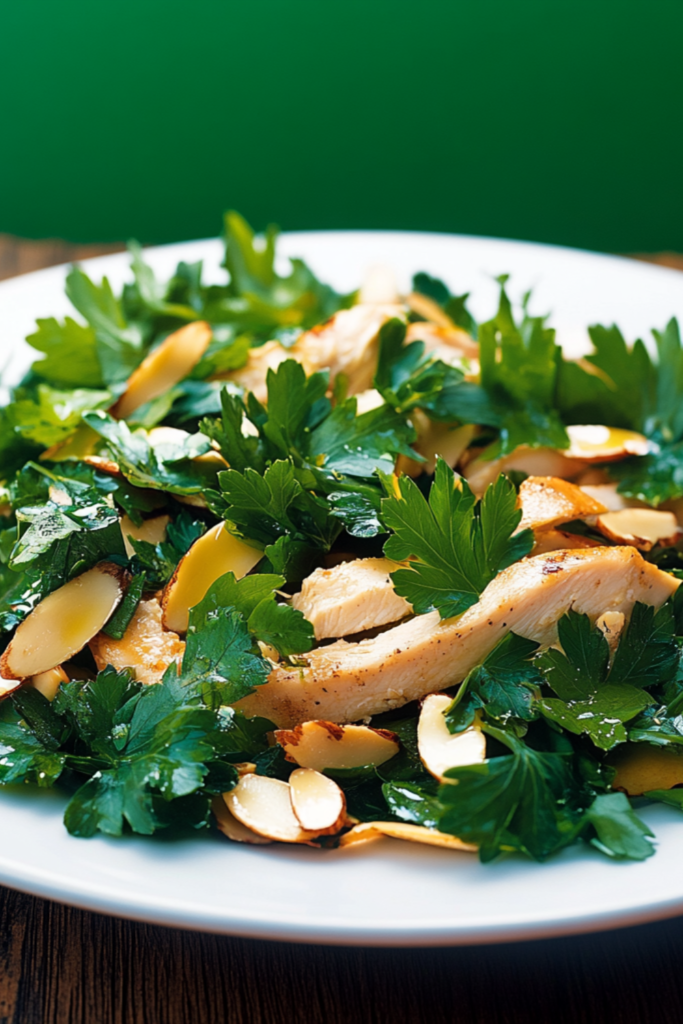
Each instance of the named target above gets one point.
<point>317,568</point>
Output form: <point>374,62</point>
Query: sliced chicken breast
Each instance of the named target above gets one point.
<point>351,597</point>
<point>145,646</point>
<point>347,343</point>
<point>347,682</point>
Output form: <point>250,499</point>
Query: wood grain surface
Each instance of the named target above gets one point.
<point>59,965</point>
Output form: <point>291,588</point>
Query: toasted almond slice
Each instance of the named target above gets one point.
<point>48,682</point>
<point>560,540</point>
<point>403,830</point>
<point>594,443</point>
<point>608,495</point>
<point>379,285</point>
<point>63,622</point>
<point>642,767</point>
<point>151,530</point>
<point>214,554</point>
<point>8,686</point>
<point>164,367</point>
<point>79,444</point>
<point>232,828</point>
<point>323,745</point>
<point>145,647</point>
<point>548,501</point>
<point>481,472</point>
<point>317,801</point>
<point>103,465</point>
<point>264,806</point>
<point>643,528</point>
<point>440,750</point>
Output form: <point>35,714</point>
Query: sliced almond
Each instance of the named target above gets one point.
<point>548,501</point>
<point>82,442</point>
<point>481,471</point>
<point>560,540</point>
<point>103,464</point>
<point>608,495</point>
<point>164,367</point>
<point>232,828</point>
<point>151,530</point>
<point>145,647</point>
<point>404,830</point>
<point>317,801</point>
<point>63,622</point>
<point>323,745</point>
<point>48,682</point>
<point>595,444</point>
<point>8,686</point>
<point>210,557</point>
<point>642,767</point>
<point>643,528</point>
<point>264,806</point>
<point>439,749</point>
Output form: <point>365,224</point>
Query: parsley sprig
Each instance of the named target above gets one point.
<point>457,544</point>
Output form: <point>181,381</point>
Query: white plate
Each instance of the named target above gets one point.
<point>387,892</point>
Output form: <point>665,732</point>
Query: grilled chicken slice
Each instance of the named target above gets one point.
<point>351,597</point>
<point>252,376</point>
<point>546,541</point>
<point>347,343</point>
<point>145,646</point>
<point>347,682</point>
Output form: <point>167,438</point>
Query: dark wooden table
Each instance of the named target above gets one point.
<point>64,966</point>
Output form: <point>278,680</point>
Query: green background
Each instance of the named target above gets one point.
<point>541,119</point>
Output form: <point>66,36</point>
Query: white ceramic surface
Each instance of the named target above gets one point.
<point>386,892</point>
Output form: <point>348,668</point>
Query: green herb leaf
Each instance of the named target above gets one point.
<point>455,306</point>
<point>70,354</point>
<point>278,625</point>
<point>119,345</point>
<point>528,801</point>
<point>162,465</point>
<point>504,685</point>
<point>595,698</point>
<point>52,415</point>
<point>620,832</point>
<point>408,379</point>
<point>459,544</point>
